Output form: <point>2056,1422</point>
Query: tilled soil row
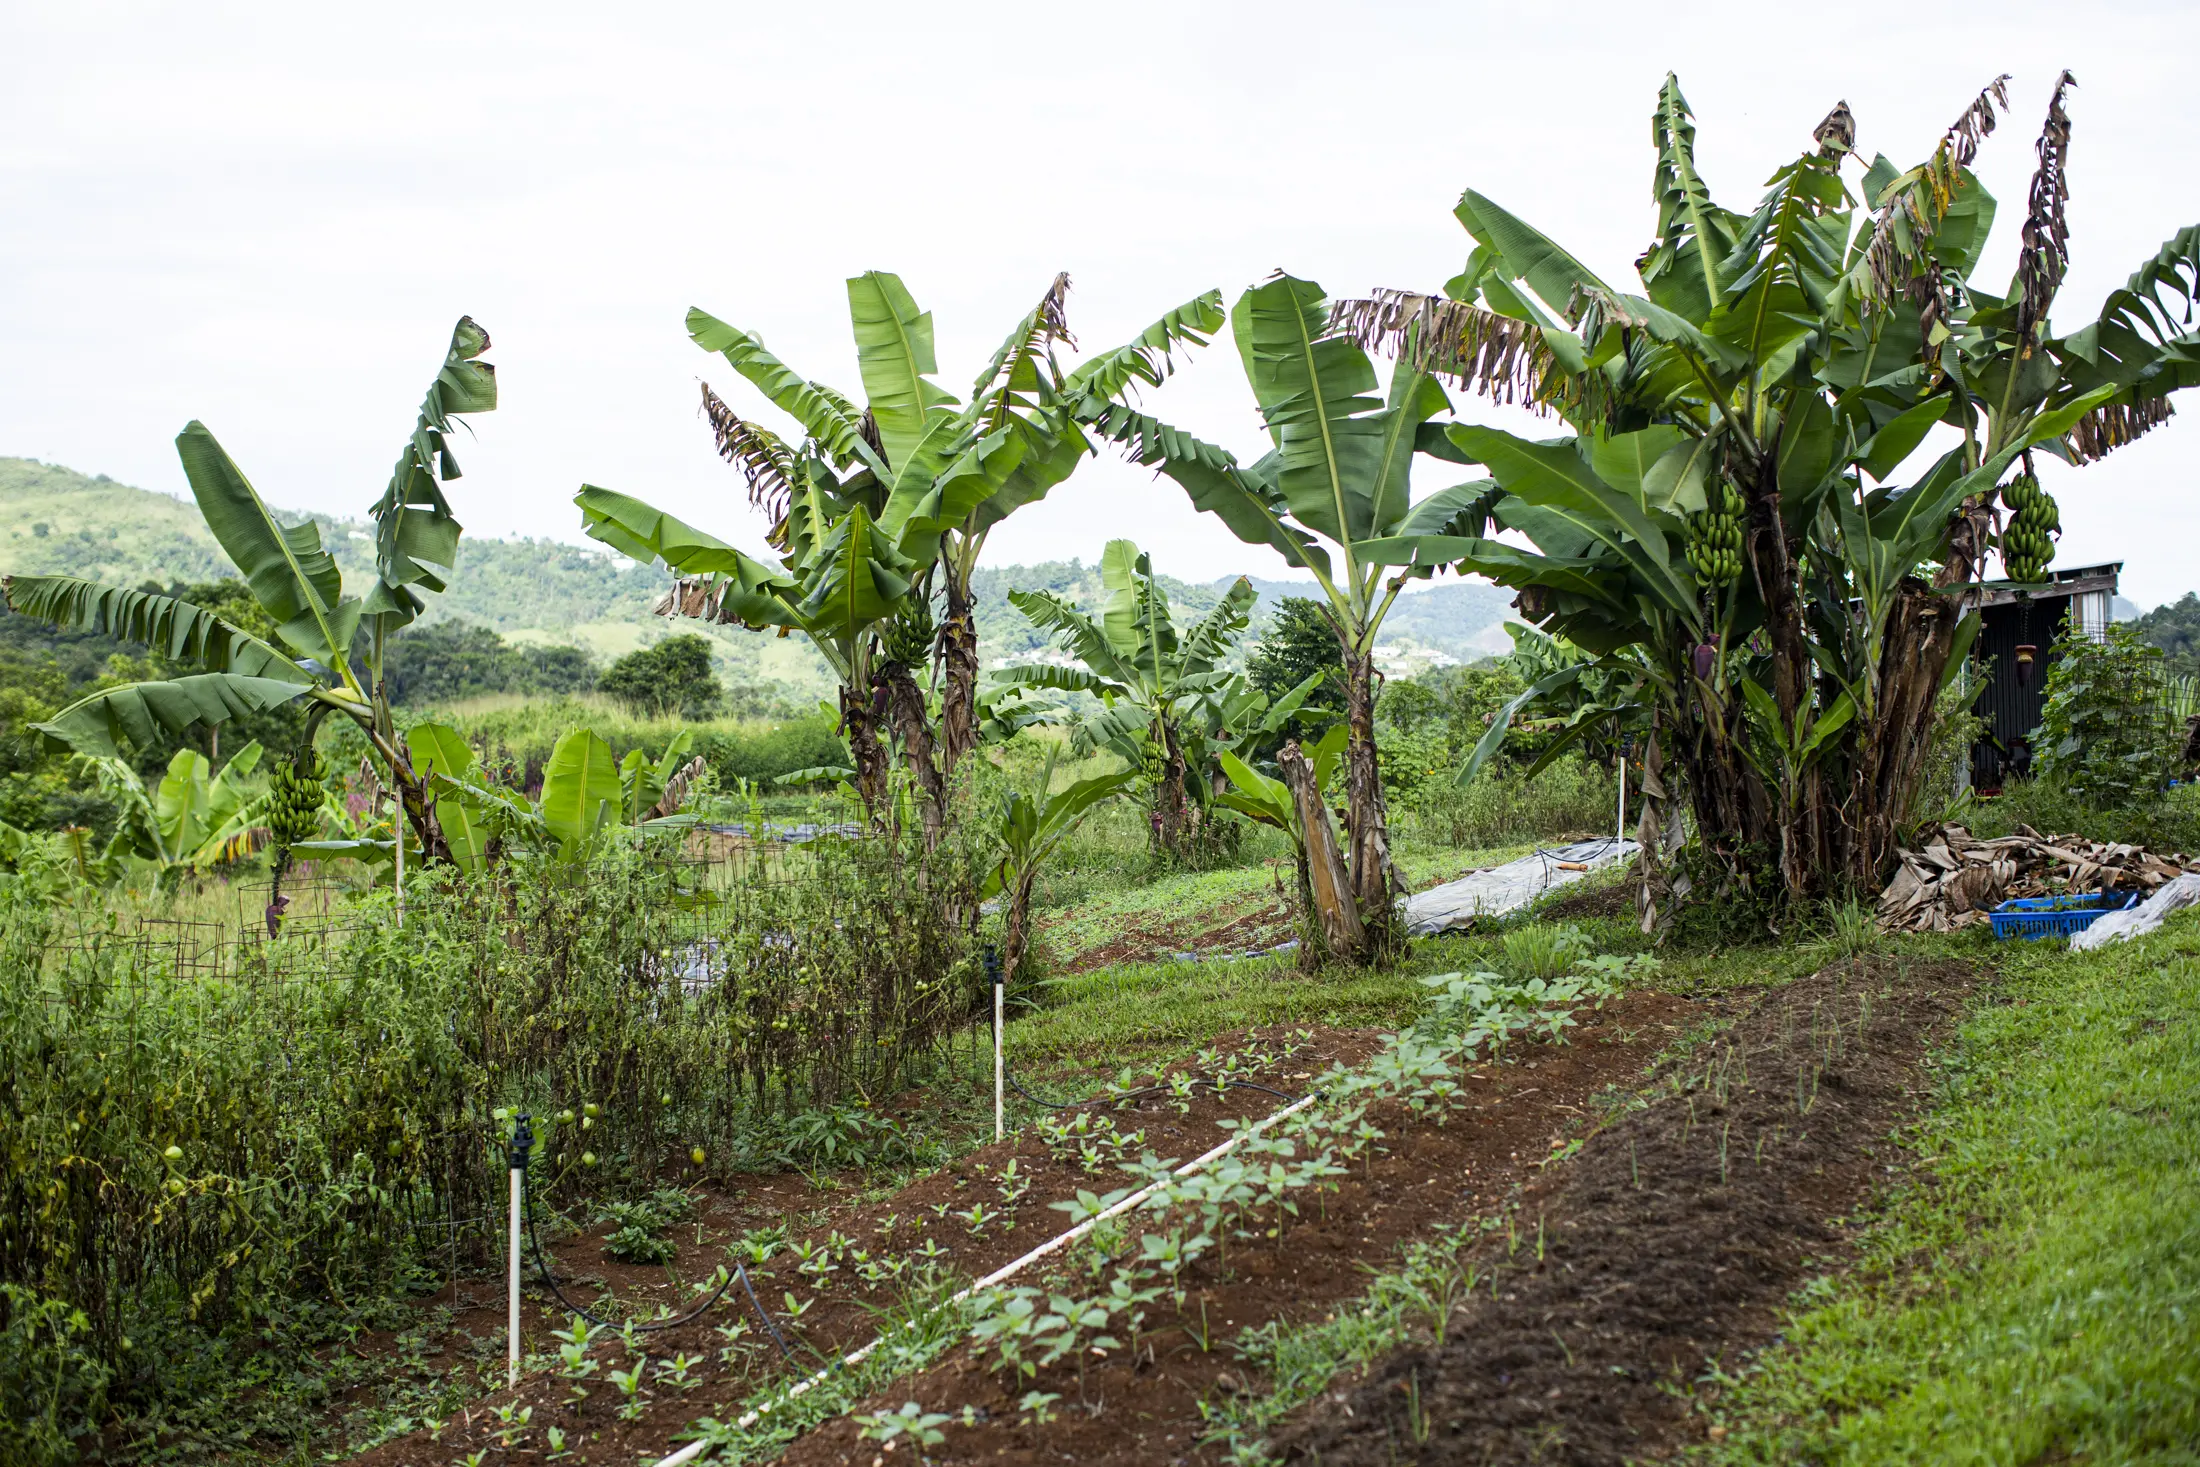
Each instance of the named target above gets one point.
<point>1674,1237</point>
<point>1144,1408</point>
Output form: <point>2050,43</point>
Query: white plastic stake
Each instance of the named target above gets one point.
<point>511,1374</point>
<point>1623,792</point>
<point>1000,1065</point>
<point>523,1140</point>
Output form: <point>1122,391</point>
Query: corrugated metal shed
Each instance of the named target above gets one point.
<point>2037,615</point>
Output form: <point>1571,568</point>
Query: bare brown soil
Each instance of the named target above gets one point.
<point>1146,1409</point>
<point>1674,1238</point>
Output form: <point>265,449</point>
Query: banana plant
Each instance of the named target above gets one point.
<point>587,792</point>
<point>1297,804</point>
<point>192,820</point>
<point>1735,500</point>
<point>1151,681</point>
<point>332,646</point>
<point>1030,827</point>
<point>887,506</point>
<point>1334,498</point>
<point>1167,698</point>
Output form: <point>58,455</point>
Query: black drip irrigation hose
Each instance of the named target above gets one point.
<point>522,1142</point>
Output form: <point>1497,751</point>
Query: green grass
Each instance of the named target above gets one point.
<point>2037,1297</point>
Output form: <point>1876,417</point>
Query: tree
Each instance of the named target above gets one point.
<point>1162,691</point>
<point>1725,506</point>
<point>329,649</point>
<point>448,660</point>
<point>1332,498</point>
<point>2174,626</point>
<point>194,818</point>
<point>876,508</point>
<point>1298,644</point>
<point>672,677</point>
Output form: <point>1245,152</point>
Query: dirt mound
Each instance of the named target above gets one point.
<point>1673,1237</point>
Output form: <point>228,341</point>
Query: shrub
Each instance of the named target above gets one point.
<point>2104,734</point>
<point>335,1097</point>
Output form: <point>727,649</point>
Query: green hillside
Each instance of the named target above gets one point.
<point>54,520</point>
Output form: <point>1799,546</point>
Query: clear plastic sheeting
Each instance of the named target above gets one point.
<point>1510,886</point>
<point>2142,919</point>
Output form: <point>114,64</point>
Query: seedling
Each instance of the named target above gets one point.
<point>512,1418</point>
<point>1037,1407</point>
<point>629,1383</point>
<point>912,1420</point>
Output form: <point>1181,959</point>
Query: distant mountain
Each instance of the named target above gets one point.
<point>54,520</point>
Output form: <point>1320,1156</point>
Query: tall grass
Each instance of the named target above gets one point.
<point>2171,823</point>
<point>1572,798</point>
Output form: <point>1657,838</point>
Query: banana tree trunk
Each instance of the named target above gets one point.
<point>958,644</point>
<point>1172,803</point>
<point>1892,744</point>
<point>1016,939</point>
<point>1336,915</point>
<point>913,728</point>
<point>859,724</point>
<point>1373,889</point>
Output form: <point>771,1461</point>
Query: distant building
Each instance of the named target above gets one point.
<point>2016,642</point>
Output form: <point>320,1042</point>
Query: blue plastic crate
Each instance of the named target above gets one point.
<point>2031,918</point>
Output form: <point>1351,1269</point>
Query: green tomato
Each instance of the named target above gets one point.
<point>697,1156</point>
<point>588,1158</point>
<point>173,1153</point>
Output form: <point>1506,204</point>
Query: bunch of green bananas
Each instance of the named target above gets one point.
<point>1715,538</point>
<point>2033,517</point>
<point>295,792</point>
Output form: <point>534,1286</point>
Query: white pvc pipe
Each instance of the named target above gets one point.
<point>519,1181</point>
<point>694,1450</point>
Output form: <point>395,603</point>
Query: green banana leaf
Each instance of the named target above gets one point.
<point>414,527</point>
<point>139,713</point>
<point>828,418</point>
<point>580,791</point>
<point>289,572</point>
<point>1314,390</point>
<point>894,353</point>
<point>440,750</point>
<point>173,629</point>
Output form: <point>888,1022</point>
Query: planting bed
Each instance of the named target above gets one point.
<point>926,1223</point>
<point>1672,1239</point>
<point>1146,1408</point>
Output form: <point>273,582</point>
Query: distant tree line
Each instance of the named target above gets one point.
<point>2174,626</point>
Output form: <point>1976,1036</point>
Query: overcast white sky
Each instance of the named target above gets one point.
<point>269,216</point>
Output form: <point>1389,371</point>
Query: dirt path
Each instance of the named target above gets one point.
<point>1674,1237</point>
